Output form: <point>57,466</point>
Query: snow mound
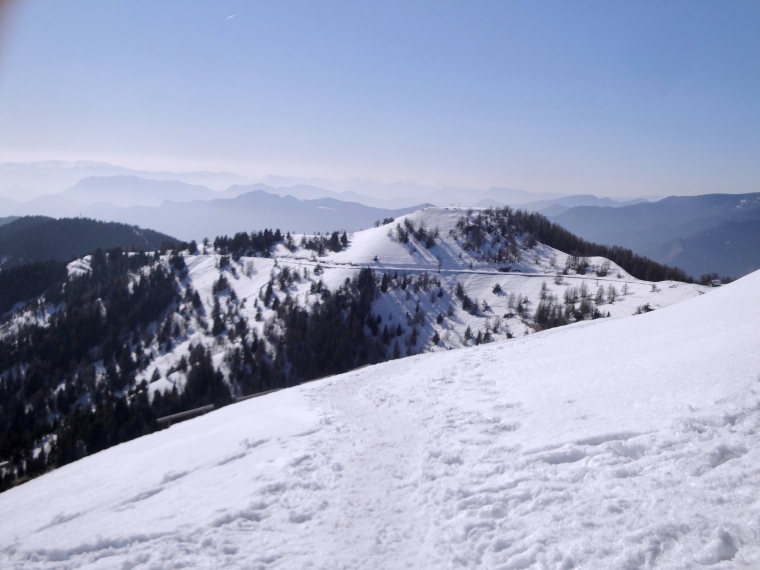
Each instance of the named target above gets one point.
<point>617,443</point>
<point>380,249</point>
<point>79,266</point>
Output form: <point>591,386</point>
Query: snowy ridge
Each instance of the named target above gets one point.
<point>617,443</point>
<point>378,248</point>
<point>434,292</point>
<point>440,279</point>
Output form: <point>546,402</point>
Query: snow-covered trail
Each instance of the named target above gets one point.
<point>297,262</point>
<point>628,443</point>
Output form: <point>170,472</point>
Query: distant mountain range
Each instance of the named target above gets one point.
<point>709,233</point>
<point>555,206</point>
<point>128,190</point>
<point>89,182</point>
<point>308,192</point>
<point>193,211</point>
<point>150,202</point>
<point>250,211</point>
<point>53,176</point>
<point>700,234</point>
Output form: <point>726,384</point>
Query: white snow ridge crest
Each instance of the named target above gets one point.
<point>619,443</point>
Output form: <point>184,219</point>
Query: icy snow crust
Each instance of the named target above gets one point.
<point>617,443</point>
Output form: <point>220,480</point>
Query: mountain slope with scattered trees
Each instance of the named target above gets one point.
<point>115,340</point>
<point>510,222</point>
<point>623,443</point>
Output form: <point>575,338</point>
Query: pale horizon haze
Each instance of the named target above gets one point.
<point>606,98</point>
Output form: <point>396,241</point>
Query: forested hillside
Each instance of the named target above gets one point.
<point>505,222</point>
<point>700,234</point>
<point>39,238</point>
<point>730,248</point>
<point>69,389</point>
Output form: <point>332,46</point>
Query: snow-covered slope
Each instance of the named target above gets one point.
<point>447,262</point>
<point>442,278</point>
<point>379,249</point>
<point>505,301</point>
<point>617,443</point>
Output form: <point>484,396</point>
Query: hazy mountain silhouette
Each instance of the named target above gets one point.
<point>251,211</point>
<point>128,190</point>
<point>697,233</point>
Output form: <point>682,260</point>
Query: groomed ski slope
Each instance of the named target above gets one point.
<point>617,443</point>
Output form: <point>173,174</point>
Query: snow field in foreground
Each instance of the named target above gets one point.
<point>619,443</point>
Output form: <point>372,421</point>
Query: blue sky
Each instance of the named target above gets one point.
<point>612,98</point>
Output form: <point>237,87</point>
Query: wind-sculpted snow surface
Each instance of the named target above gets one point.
<point>617,443</point>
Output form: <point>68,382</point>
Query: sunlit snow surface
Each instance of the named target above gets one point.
<point>376,249</point>
<point>447,262</point>
<point>617,443</point>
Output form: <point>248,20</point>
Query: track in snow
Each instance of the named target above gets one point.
<point>628,443</point>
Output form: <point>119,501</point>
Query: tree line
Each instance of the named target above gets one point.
<point>498,228</point>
